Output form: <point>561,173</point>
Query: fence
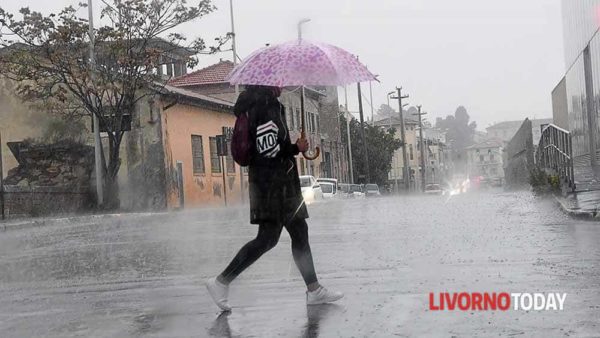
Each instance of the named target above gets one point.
<point>554,154</point>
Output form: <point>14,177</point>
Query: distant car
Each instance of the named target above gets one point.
<point>434,189</point>
<point>333,181</point>
<point>356,191</point>
<point>328,190</point>
<point>372,190</point>
<point>343,190</point>
<point>311,189</point>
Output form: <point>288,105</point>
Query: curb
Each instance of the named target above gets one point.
<point>576,213</point>
<point>27,224</point>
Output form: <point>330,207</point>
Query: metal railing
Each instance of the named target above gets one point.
<point>555,154</point>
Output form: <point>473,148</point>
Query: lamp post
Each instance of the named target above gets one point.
<point>97,140</point>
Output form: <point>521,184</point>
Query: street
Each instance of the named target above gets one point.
<point>143,275</point>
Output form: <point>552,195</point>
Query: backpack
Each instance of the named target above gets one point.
<point>241,143</point>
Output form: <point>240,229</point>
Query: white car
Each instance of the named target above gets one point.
<point>333,181</point>
<point>328,190</point>
<point>434,189</point>
<point>311,189</point>
<point>356,191</point>
<point>372,190</point>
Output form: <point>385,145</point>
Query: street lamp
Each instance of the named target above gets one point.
<point>300,23</point>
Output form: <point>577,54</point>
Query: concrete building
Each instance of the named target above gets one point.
<point>484,159</point>
<point>575,98</point>
<point>505,130</point>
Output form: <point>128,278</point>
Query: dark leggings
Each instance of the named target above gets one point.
<point>267,238</point>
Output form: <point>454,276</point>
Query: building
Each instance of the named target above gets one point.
<point>322,116</point>
<point>575,97</point>
<point>505,130</point>
<point>484,159</point>
<point>411,126</point>
<point>170,157</point>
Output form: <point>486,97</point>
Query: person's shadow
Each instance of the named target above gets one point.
<point>314,315</point>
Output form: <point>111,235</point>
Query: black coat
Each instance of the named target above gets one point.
<point>274,184</point>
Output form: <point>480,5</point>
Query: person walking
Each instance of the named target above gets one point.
<point>275,196</point>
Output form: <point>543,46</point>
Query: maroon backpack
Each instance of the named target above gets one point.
<point>241,144</point>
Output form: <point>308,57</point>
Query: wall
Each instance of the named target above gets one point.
<point>50,179</point>
<point>519,157</point>
<point>560,114</point>
<point>142,176</point>
<point>179,123</point>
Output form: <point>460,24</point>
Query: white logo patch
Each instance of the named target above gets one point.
<point>266,139</point>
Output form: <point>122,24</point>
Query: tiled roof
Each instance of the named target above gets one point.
<point>395,121</point>
<point>491,143</point>
<point>196,96</point>
<point>212,74</point>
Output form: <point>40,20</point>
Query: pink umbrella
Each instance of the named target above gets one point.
<point>300,63</point>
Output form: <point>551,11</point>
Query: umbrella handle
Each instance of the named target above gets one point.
<point>307,154</point>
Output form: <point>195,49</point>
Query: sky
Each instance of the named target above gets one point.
<point>499,59</point>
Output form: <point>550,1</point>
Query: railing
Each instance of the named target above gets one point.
<point>554,154</point>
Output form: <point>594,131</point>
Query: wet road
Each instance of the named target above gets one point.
<point>142,276</point>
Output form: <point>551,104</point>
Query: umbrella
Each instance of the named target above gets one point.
<point>300,63</point>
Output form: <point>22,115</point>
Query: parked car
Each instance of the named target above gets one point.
<point>356,191</point>
<point>328,190</point>
<point>333,181</point>
<point>343,190</point>
<point>311,189</point>
<point>433,189</point>
<point>372,190</point>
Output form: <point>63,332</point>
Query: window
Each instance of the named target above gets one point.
<point>296,119</point>
<point>410,148</point>
<point>230,163</point>
<point>317,123</point>
<point>197,155</point>
<point>215,161</point>
<point>480,158</point>
<point>289,117</point>
<point>492,157</point>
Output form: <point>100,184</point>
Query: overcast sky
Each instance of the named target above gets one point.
<point>500,59</point>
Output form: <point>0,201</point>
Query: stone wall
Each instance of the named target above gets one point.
<point>519,160</point>
<point>49,179</point>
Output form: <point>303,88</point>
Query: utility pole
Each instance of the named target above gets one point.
<point>348,135</point>
<point>371,101</point>
<point>97,140</point>
<point>362,132</point>
<point>405,170</point>
<point>1,182</point>
<point>237,87</point>
<point>422,147</point>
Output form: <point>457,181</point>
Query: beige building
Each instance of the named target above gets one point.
<point>484,159</point>
<point>411,126</point>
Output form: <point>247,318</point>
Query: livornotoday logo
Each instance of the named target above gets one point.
<point>493,301</point>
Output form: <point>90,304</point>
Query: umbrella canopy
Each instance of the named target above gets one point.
<point>300,63</point>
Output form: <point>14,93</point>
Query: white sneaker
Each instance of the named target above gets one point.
<point>322,296</point>
<point>219,293</point>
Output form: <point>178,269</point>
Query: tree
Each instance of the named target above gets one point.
<point>385,112</point>
<point>459,132</point>
<point>381,145</point>
<point>48,57</point>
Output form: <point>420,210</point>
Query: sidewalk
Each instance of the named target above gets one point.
<point>581,204</point>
